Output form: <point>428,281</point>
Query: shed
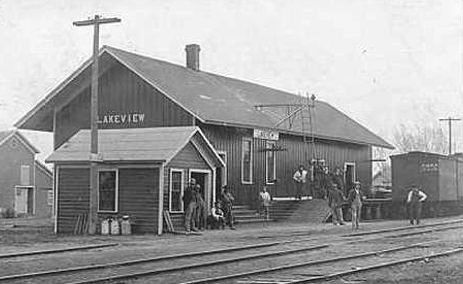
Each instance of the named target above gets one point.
<point>142,171</point>
<point>25,184</point>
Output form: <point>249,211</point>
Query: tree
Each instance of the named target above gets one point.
<point>420,137</point>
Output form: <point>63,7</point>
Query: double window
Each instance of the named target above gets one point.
<point>270,162</point>
<point>246,160</point>
<point>176,189</point>
<point>107,190</point>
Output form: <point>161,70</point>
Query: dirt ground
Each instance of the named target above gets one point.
<point>17,235</point>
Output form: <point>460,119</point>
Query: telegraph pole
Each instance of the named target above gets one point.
<point>95,22</point>
<point>450,119</point>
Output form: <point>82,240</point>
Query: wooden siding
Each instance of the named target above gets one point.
<point>229,139</point>
<point>121,92</point>
<point>73,197</point>
<point>406,171</point>
<point>138,197</point>
<point>448,180</point>
<point>12,156</point>
<point>43,183</point>
<point>188,158</point>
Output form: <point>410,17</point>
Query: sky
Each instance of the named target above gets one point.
<point>383,62</point>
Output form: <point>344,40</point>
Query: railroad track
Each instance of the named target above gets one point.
<point>53,251</point>
<point>144,267</point>
<point>298,273</point>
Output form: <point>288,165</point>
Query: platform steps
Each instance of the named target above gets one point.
<point>244,215</point>
<point>310,211</point>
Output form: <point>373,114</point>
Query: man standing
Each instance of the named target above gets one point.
<point>355,200</point>
<point>335,200</point>
<point>265,200</point>
<point>338,178</point>
<point>300,177</point>
<point>201,209</point>
<point>227,201</point>
<point>189,201</point>
<point>414,199</point>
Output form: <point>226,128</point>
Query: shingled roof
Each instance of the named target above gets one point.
<point>158,144</point>
<point>215,99</point>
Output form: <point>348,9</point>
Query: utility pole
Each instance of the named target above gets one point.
<point>95,22</point>
<point>450,119</point>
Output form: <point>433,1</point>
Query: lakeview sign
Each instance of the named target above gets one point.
<point>123,118</point>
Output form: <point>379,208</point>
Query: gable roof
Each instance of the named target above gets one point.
<point>7,134</point>
<point>43,168</point>
<point>159,144</point>
<point>216,99</point>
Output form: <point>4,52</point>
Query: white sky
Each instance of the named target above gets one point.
<point>382,62</point>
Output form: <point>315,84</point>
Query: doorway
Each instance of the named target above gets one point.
<point>221,175</point>
<point>24,200</point>
<point>202,178</point>
<point>349,175</point>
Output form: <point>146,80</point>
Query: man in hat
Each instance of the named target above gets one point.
<point>190,203</point>
<point>355,201</point>
<point>335,200</point>
<point>414,199</point>
<point>217,219</point>
<point>201,209</point>
<point>300,177</point>
<point>227,202</point>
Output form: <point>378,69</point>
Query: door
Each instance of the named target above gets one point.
<point>21,200</point>
<point>202,178</point>
<point>349,175</point>
<point>221,175</point>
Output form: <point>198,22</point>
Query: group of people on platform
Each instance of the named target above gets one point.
<point>196,217</point>
<point>320,181</point>
<point>331,186</point>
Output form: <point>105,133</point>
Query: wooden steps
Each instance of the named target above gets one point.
<point>310,211</point>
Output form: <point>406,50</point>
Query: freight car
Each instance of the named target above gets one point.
<point>439,176</point>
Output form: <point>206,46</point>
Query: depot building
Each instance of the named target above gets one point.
<point>161,124</point>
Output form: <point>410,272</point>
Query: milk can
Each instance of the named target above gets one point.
<point>115,228</point>
<point>125,225</point>
<point>105,227</point>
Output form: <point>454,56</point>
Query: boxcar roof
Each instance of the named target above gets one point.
<point>159,144</point>
<point>421,154</point>
<point>216,99</point>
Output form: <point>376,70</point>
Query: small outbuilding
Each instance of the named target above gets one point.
<point>26,185</point>
<point>142,171</point>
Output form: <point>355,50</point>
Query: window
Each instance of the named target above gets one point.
<point>107,190</point>
<point>246,161</point>
<point>25,175</point>
<point>176,191</point>
<point>50,197</point>
<point>270,163</point>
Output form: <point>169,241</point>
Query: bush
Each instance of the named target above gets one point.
<point>8,213</point>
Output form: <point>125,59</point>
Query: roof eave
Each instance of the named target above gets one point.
<point>298,133</point>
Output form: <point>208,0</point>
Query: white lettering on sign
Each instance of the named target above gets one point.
<point>266,134</point>
<point>133,118</point>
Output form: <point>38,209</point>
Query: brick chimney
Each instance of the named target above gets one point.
<point>192,56</point>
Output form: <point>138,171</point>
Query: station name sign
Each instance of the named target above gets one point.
<point>266,134</point>
<point>123,118</point>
